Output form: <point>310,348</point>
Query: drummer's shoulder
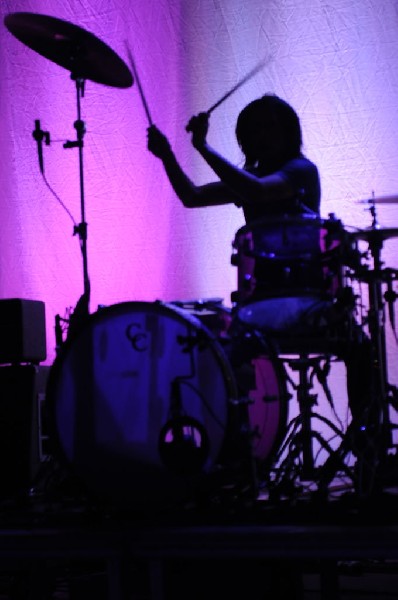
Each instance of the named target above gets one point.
<point>299,168</point>
<point>302,162</point>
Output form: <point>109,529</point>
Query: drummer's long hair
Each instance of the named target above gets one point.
<point>262,108</point>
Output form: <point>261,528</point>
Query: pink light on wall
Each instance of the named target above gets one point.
<point>335,64</point>
<point>128,229</point>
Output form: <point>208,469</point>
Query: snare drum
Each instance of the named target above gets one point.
<point>288,268</point>
<point>141,399</point>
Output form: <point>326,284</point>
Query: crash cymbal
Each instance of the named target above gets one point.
<point>374,235</point>
<point>71,47</point>
<point>381,200</point>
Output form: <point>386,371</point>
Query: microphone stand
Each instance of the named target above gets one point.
<point>82,307</point>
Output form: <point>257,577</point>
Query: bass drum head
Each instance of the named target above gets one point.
<point>138,403</point>
<point>268,412</point>
<point>261,379</point>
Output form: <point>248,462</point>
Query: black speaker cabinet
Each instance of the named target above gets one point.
<point>22,331</point>
<point>22,436</point>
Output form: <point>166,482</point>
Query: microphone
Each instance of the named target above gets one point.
<point>184,446</point>
<point>183,442</point>
<point>38,134</point>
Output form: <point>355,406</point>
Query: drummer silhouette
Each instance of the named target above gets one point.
<point>279,191</point>
<point>276,178</point>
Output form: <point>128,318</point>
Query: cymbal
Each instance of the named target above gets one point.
<point>386,275</point>
<point>374,235</point>
<point>71,47</point>
<point>381,200</point>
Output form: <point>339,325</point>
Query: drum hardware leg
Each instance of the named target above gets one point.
<point>374,455</point>
<point>334,462</point>
<point>305,402</point>
<point>291,468</point>
<point>79,315</point>
<point>367,437</point>
<point>381,386</point>
<point>393,396</point>
<point>377,326</point>
<point>365,473</point>
<point>300,462</point>
<point>245,434</point>
<point>60,328</point>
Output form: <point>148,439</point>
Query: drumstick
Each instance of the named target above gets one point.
<point>135,74</point>
<point>249,75</point>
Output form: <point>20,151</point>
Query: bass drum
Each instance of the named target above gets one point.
<point>140,402</point>
<point>259,375</point>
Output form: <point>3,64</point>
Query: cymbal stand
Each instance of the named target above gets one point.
<point>376,425</point>
<point>82,307</point>
<point>376,325</point>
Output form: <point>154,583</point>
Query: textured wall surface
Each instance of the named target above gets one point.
<point>336,63</point>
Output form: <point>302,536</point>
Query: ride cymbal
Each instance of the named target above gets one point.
<point>381,200</point>
<point>375,235</point>
<point>71,47</point>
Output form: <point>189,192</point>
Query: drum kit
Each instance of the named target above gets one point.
<point>295,285</point>
<point>151,403</point>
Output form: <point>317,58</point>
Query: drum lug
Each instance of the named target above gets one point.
<point>247,282</point>
<point>235,297</point>
<point>235,260</point>
<point>241,401</point>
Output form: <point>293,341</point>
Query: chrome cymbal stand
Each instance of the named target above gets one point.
<point>375,426</point>
<point>81,310</point>
<point>385,393</point>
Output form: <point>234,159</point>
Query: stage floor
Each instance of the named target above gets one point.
<point>334,548</point>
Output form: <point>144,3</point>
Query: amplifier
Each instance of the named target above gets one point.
<point>23,429</point>
<point>22,331</point>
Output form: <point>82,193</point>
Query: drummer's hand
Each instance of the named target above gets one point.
<point>158,143</point>
<point>198,126</point>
